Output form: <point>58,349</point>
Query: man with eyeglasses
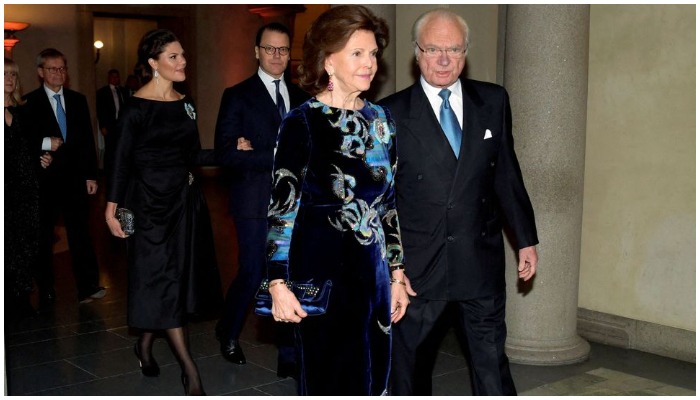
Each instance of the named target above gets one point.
<point>458,181</point>
<point>58,114</point>
<point>246,132</point>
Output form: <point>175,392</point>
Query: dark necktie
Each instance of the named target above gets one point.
<point>449,122</point>
<point>61,116</point>
<point>280,101</point>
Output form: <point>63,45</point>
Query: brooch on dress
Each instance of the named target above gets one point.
<point>190,111</point>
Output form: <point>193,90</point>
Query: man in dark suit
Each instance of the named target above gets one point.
<point>246,134</point>
<point>458,180</point>
<point>110,99</point>
<point>56,112</point>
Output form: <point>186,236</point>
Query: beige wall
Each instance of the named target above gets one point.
<point>51,26</point>
<point>638,239</point>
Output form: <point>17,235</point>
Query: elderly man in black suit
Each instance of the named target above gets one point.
<point>56,114</point>
<point>246,134</point>
<point>110,99</point>
<point>458,181</point>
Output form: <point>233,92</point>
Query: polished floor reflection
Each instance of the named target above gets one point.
<point>87,349</point>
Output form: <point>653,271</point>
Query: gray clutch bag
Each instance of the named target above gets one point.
<point>126,220</point>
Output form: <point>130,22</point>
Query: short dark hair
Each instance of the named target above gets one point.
<point>49,53</point>
<point>113,71</point>
<point>272,26</point>
<point>152,44</point>
<point>329,34</point>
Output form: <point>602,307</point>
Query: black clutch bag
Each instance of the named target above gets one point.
<point>312,297</point>
<point>126,220</point>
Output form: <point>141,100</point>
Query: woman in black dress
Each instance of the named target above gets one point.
<point>172,265</point>
<point>21,201</point>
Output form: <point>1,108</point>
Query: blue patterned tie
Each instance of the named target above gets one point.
<point>61,116</point>
<point>280,101</point>
<point>449,123</point>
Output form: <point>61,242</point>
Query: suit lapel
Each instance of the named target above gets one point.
<point>266,101</point>
<point>472,131</point>
<point>424,126</point>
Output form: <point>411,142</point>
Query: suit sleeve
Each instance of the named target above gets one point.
<point>103,116</point>
<point>230,125</point>
<point>290,162</point>
<point>510,187</point>
<point>87,141</point>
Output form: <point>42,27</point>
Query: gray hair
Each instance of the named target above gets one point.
<point>439,13</point>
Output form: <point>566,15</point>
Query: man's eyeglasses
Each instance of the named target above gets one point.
<point>56,70</point>
<point>432,52</point>
<point>270,50</point>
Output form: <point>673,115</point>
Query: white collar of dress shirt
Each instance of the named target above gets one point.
<point>269,79</point>
<point>434,92</point>
<point>51,93</point>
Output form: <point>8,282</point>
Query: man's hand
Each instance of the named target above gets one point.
<point>56,143</point>
<point>527,262</point>
<point>91,187</point>
<point>244,144</point>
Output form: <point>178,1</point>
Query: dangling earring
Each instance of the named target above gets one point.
<point>156,75</point>
<point>330,83</point>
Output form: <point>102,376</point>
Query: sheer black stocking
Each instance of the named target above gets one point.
<point>145,347</point>
<point>179,343</point>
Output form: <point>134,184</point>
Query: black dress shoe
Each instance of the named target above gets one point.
<point>147,369</point>
<point>232,351</point>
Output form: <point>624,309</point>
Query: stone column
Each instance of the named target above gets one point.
<point>384,82</point>
<point>546,75</point>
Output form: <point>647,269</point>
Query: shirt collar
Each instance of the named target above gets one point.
<point>431,91</point>
<point>268,79</point>
<point>51,93</point>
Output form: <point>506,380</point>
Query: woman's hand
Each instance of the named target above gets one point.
<point>399,296</point>
<point>285,306</point>
<point>45,160</point>
<point>112,223</point>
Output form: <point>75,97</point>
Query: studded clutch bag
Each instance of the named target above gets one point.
<point>312,297</point>
<point>126,220</point>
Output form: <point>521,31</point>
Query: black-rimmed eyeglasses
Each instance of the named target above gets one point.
<point>271,50</point>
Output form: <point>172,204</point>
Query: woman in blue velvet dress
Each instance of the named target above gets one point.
<point>332,214</point>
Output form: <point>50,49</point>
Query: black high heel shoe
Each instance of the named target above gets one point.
<point>152,369</point>
<point>186,385</point>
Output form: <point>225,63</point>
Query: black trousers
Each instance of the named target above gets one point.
<point>481,321</point>
<point>71,201</point>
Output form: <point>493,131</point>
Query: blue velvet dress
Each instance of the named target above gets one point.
<point>333,216</point>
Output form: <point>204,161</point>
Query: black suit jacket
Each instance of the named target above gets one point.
<point>248,111</point>
<point>452,210</point>
<point>76,160</point>
<point>106,111</point>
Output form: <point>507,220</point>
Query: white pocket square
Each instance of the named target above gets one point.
<point>488,134</point>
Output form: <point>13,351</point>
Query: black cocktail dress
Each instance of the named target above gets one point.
<point>172,264</point>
